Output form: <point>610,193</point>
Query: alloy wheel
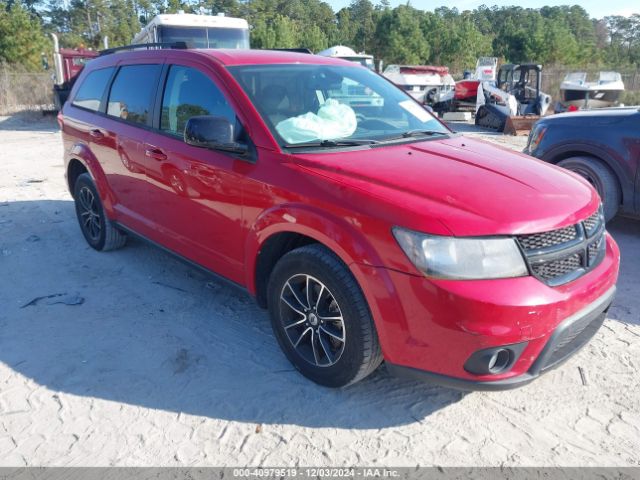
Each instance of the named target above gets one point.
<point>89,214</point>
<point>312,320</point>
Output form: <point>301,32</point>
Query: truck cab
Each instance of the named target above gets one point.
<point>68,62</point>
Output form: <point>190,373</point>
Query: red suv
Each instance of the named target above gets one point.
<point>367,228</point>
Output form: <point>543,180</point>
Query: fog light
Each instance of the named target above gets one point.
<point>494,360</point>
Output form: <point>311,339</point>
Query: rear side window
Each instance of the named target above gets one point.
<point>189,93</point>
<point>91,91</point>
<point>132,92</point>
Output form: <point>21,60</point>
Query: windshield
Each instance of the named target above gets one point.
<point>205,37</point>
<point>306,103</point>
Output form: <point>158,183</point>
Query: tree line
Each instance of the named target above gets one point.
<point>563,35</point>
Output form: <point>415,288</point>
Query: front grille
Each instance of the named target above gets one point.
<point>536,241</point>
<point>557,268</point>
<point>592,223</point>
<point>594,250</point>
<point>560,256</point>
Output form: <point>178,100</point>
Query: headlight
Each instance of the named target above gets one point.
<point>535,137</point>
<point>462,258</point>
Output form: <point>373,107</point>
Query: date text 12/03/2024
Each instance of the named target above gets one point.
<point>315,472</point>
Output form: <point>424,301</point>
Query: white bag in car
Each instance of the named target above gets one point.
<point>333,120</point>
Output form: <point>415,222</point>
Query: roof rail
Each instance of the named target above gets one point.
<point>174,45</point>
<point>294,50</point>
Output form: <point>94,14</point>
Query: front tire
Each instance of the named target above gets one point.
<point>98,231</point>
<point>321,319</point>
<point>601,177</point>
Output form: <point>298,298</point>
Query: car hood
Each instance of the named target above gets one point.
<point>470,186</point>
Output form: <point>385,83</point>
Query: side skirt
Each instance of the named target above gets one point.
<point>191,263</point>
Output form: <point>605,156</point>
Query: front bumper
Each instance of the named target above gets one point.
<point>567,339</point>
<point>430,328</point>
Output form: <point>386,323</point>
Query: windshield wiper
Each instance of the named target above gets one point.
<point>332,143</point>
<point>417,133</point>
<point>420,133</point>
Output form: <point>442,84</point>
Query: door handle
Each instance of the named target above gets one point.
<point>97,134</point>
<point>155,153</point>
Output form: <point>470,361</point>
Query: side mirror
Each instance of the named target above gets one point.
<point>212,132</point>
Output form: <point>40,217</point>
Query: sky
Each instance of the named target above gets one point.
<point>596,8</point>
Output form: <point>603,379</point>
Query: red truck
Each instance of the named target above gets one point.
<point>68,62</point>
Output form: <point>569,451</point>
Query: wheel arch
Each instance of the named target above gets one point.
<point>271,250</point>
<point>75,168</point>
<point>282,229</point>
<point>82,160</point>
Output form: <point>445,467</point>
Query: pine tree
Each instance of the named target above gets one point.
<point>22,41</point>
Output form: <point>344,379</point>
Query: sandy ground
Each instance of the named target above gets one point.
<point>141,360</point>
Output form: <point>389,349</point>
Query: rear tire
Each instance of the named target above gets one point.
<point>601,177</point>
<point>97,229</point>
<point>321,318</point>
